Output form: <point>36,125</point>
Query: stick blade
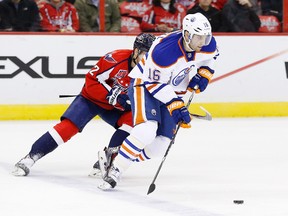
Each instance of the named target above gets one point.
<point>208,115</point>
<point>151,188</point>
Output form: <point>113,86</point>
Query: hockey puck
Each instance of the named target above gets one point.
<point>238,201</point>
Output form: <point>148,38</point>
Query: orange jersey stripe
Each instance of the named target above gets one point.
<point>138,105</point>
<point>151,86</point>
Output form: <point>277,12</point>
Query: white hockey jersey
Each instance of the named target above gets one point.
<point>167,68</point>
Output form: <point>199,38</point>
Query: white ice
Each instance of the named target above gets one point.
<point>208,167</point>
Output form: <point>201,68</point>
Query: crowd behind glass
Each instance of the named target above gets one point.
<point>138,15</point>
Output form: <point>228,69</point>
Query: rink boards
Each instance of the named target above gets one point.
<point>250,78</point>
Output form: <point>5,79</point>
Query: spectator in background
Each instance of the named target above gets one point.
<point>239,16</point>
<point>164,16</point>
<point>59,16</point>
<point>219,4</point>
<point>4,22</point>
<point>211,13</point>
<point>21,15</point>
<point>70,1</point>
<point>272,7</point>
<point>187,3</point>
<point>88,11</point>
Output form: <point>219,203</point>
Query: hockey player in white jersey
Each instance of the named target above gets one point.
<point>176,62</point>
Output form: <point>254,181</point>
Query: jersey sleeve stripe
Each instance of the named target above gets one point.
<point>140,68</point>
<point>155,89</point>
<point>151,86</point>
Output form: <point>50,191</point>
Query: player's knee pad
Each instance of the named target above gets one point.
<point>63,131</point>
<point>133,145</point>
<point>149,128</point>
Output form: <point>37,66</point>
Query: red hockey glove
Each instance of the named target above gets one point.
<point>200,80</point>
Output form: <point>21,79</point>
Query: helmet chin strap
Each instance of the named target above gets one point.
<point>134,59</point>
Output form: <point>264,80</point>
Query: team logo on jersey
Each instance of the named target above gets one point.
<point>121,79</point>
<point>181,75</point>
<point>121,73</point>
<point>108,57</point>
<point>192,19</point>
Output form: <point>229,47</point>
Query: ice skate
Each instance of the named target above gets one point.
<point>96,172</point>
<point>111,180</point>
<point>105,158</point>
<point>102,158</point>
<point>22,168</point>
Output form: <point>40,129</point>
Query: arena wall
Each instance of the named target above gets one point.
<point>251,77</point>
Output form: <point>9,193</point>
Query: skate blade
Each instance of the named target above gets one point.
<point>95,173</point>
<point>105,186</point>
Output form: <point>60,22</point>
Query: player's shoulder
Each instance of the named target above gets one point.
<point>166,52</point>
<point>121,52</point>
<point>117,55</point>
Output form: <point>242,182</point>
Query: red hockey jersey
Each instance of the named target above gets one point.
<point>110,71</point>
<point>65,17</point>
<point>158,15</point>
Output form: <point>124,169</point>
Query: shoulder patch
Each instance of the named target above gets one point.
<point>109,58</point>
<point>117,55</point>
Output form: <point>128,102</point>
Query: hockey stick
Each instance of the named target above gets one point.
<point>207,115</point>
<point>66,96</point>
<point>98,101</point>
<point>152,185</point>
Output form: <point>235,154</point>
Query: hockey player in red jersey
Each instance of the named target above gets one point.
<point>103,94</point>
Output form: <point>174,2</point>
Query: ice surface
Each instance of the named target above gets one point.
<point>208,167</point>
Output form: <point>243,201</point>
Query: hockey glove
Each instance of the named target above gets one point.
<point>119,99</point>
<point>200,80</point>
<point>179,112</point>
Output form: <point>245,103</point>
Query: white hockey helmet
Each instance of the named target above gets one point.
<point>196,24</point>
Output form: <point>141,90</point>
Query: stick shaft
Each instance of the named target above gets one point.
<point>66,96</point>
<point>152,185</point>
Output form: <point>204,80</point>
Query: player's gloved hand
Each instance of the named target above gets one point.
<point>200,81</point>
<point>179,112</point>
<point>123,102</point>
<point>119,99</point>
